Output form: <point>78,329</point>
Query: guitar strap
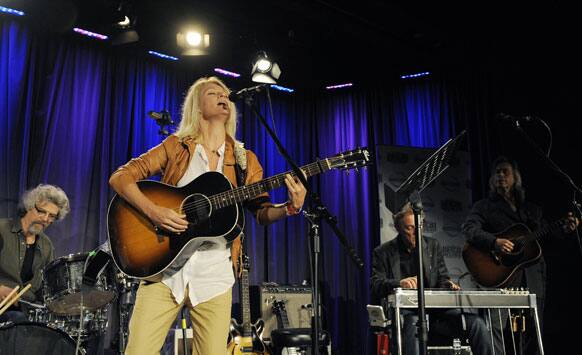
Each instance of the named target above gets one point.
<point>240,169</point>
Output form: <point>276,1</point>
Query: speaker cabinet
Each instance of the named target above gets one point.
<point>297,300</point>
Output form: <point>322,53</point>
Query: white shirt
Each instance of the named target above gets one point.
<point>208,270</point>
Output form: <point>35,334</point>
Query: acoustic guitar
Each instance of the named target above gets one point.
<point>496,268</point>
<point>212,207</point>
<point>245,338</point>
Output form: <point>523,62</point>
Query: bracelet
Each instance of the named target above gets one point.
<point>290,210</point>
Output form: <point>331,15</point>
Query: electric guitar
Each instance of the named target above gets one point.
<point>212,207</point>
<point>496,268</point>
<point>283,322</point>
<point>245,338</point>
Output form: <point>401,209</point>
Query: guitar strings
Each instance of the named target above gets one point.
<point>520,242</point>
<point>197,205</point>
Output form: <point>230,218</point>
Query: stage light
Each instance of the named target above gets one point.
<point>411,76</point>
<point>264,70</point>
<point>226,72</point>
<point>162,55</point>
<point>193,42</point>
<point>123,25</point>
<point>282,88</point>
<point>90,34</point>
<point>339,86</point>
<point>10,11</point>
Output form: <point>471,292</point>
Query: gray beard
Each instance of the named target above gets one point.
<point>35,228</point>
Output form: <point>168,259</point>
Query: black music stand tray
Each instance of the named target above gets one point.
<point>409,191</point>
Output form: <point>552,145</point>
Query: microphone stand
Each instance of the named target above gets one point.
<point>550,163</point>
<point>314,215</point>
<point>547,160</point>
<point>416,204</point>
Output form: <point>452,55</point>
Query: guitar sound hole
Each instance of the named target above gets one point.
<point>197,208</point>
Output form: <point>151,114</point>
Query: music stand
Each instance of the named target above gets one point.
<point>409,191</point>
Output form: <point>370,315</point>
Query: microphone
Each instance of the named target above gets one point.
<point>162,117</point>
<point>235,96</point>
<point>515,119</point>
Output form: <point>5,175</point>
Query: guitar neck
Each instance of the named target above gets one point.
<point>247,192</point>
<point>245,304</point>
<point>281,313</point>
<point>542,232</point>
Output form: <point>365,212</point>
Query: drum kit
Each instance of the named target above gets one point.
<point>78,291</point>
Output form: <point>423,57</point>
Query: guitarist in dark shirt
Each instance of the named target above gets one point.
<point>496,252</point>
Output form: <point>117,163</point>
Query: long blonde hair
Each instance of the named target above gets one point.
<point>191,114</point>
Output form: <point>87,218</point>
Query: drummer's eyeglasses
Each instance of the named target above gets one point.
<point>44,213</point>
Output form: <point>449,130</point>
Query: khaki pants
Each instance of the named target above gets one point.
<point>155,311</point>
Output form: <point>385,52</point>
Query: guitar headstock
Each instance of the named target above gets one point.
<point>245,263</point>
<point>351,159</point>
<point>278,306</point>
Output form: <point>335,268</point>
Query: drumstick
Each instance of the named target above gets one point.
<point>7,298</point>
<point>15,298</point>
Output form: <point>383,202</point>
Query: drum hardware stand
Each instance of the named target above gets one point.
<point>314,216</point>
<point>124,304</point>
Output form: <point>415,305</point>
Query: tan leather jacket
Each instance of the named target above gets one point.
<point>172,157</point>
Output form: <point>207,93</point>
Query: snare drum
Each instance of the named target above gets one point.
<point>65,286</point>
<point>34,338</point>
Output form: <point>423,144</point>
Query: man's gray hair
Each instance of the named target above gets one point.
<point>45,193</point>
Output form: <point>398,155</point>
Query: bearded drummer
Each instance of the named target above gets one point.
<point>24,247</point>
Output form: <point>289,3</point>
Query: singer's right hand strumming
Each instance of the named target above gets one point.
<point>161,217</point>
<point>166,218</point>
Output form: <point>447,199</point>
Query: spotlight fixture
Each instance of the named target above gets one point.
<point>193,42</point>
<point>123,24</point>
<point>264,70</point>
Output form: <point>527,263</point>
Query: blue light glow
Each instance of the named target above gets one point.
<point>10,11</point>
<point>339,86</point>
<point>226,72</point>
<point>281,88</point>
<point>409,76</point>
<point>161,55</point>
<point>90,34</point>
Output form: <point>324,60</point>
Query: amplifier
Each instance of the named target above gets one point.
<point>297,300</point>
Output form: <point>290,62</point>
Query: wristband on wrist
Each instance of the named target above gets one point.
<point>290,210</point>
